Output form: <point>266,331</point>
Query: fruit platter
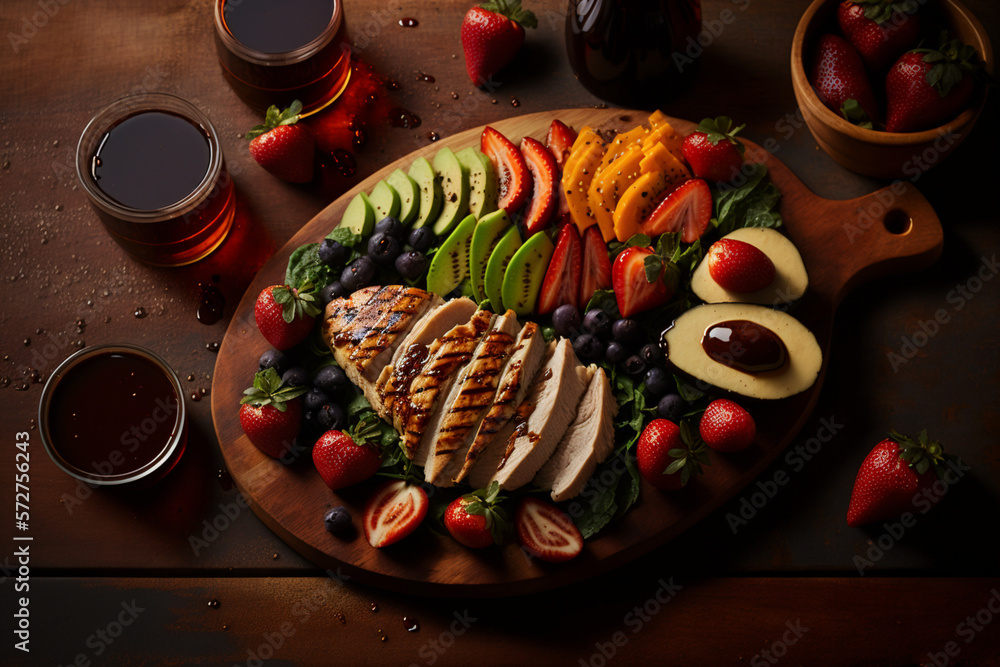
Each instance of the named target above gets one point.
<point>505,362</point>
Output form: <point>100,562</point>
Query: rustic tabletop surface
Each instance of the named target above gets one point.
<point>184,573</point>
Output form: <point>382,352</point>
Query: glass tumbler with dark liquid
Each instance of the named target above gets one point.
<point>275,52</point>
<point>633,52</point>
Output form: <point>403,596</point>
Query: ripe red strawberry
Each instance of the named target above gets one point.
<point>838,76</point>
<point>270,413</point>
<point>513,179</point>
<point>688,210</point>
<point>344,459</point>
<point>396,509</point>
<point>476,519</point>
<point>925,87</point>
<point>641,280</point>
<point>283,148</point>
<point>668,455</point>
<point>892,475</point>
<point>559,141</point>
<point>285,315</point>
<point>739,267</point>
<point>562,279</point>
<point>542,205</point>
<point>713,151</point>
<point>727,427</point>
<point>879,29</point>
<point>596,272</point>
<point>547,532</point>
<point>492,34</point>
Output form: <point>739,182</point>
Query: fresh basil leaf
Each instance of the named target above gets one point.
<point>345,236</point>
<point>305,266</point>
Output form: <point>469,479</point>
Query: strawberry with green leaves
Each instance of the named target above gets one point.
<point>492,34</point>
<point>713,151</point>
<point>345,459</point>
<point>476,519</point>
<point>283,147</point>
<point>270,413</point>
<point>879,29</point>
<point>841,82</point>
<point>670,456</point>
<point>285,315</point>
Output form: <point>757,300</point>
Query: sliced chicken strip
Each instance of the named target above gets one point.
<point>589,440</point>
<point>469,398</point>
<point>528,354</point>
<point>340,312</point>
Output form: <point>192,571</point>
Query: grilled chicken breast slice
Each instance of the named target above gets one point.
<point>526,357</point>
<point>588,441</point>
<point>340,312</point>
<point>471,395</point>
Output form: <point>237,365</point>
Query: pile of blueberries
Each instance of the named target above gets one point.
<point>389,246</point>
<point>597,337</point>
<point>321,412</point>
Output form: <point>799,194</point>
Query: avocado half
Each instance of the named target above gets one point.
<point>683,345</point>
<point>790,277</point>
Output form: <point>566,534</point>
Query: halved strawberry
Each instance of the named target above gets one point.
<point>513,179</point>
<point>545,174</point>
<point>596,272</point>
<point>562,279</point>
<point>687,210</point>
<point>739,267</point>
<point>546,531</point>
<point>634,291</point>
<point>393,512</point>
<point>559,141</point>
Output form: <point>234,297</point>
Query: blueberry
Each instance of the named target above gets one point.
<point>670,407</point>
<point>634,365</point>
<point>422,239</point>
<point>588,347</point>
<point>330,379</point>
<point>275,359</point>
<point>358,274</point>
<point>411,264</point>
<point>314,399</point>
<point>332,253</point>
<point>628,332</point>
<point>337,519</point>
<point>566,320</point>
<point>295,377</point>
<point>615,352</point>
<point>331,417</point>
<point>384,249</point>
<point>391,226</point>
<point>652,354</point>
<point>334,290</point>
<point>597,322</point>
<point>658,381</point>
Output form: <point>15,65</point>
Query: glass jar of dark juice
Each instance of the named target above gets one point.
<point>633,52</point>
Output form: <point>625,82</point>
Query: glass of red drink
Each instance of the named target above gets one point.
<point>153,169</point>
<point>113,414</point>
<point>277,52</point>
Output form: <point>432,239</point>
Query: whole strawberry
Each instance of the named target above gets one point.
<point>927,87</point>
<point>344,459</point>
<point>270,413</point>
<point>879,29</point>
<point>892,475</point>
<point>839,77</point>
<point>285,315</point>
<point>668,455</point>
<point>284,148</point>
<point>727,427</point>
<point>713,151</point>
<point>492,34</point>
<point>739,266</point>
<point>476,519</point>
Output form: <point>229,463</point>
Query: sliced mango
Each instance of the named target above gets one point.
<point>576,182</point>
<point>610,184</point>
<point>638,201</point>
<point>658,119</point>
<point>658,158</point>
<point>620,144</point>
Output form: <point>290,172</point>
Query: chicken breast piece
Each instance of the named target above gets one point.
<point>471,395</point>
<point>340,312</point>
<point>588,441</point>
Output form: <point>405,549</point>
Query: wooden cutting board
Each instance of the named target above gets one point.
<point>843,244</point>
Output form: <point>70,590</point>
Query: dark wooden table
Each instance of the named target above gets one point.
<point>182,573</point>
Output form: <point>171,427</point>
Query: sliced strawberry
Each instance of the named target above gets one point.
<point>546,531</point>
<point>687,210</point>
<point>513,178</point>
<point>393,512</point>
<point>633,290</point>
<point>596,271</point>
<point>545,174</point>
<point>739,267</point>
<point>559,141</point>
<point>562,279</point>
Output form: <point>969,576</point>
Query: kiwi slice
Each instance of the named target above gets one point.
<point>385,201</point>
<point>454,179</point>
<point>482,181</point>
<point>409,195</point>
<point>359,216</point>
<point>496,267</point>
<point>488,232</point>
<point>431,196</point>
<point>450,264</point>
<point>523,278</point>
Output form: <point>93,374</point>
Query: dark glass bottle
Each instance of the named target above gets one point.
<point>633,52</point>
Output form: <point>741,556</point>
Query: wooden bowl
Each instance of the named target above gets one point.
<point>873,152</point>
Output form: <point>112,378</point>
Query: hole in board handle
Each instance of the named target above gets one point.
<point>897,222</point>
